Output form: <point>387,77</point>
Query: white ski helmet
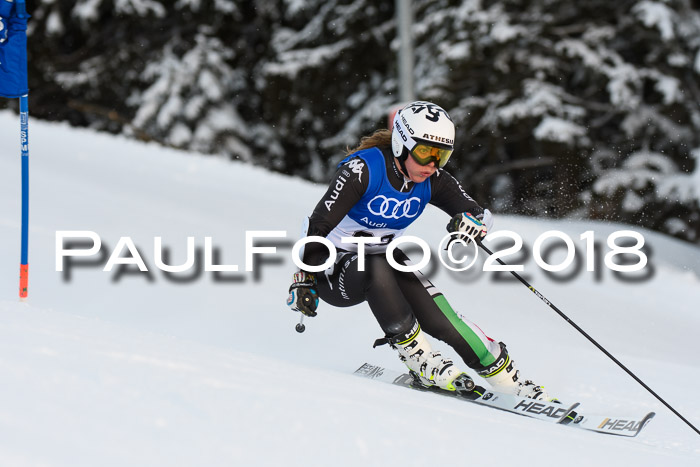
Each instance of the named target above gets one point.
<point>421,122</point>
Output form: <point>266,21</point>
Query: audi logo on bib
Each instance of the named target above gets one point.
<point>392,208</point>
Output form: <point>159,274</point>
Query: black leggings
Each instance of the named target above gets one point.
<point>398,298</point>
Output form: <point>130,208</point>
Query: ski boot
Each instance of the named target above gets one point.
<point>504,377</point>
<point>428,367</point>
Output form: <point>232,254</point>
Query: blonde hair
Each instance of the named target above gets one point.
<point>379,138</point>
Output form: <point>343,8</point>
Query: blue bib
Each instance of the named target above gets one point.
<point>382,206</point>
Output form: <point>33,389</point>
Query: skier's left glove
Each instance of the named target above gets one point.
<point>468,228</point>
<point>303,296</point>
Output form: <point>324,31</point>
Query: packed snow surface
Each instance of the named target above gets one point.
<point>130,368</point>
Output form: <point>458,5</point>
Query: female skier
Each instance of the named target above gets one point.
<point>379,189</point>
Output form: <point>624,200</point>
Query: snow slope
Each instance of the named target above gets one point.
<point>137,369</point>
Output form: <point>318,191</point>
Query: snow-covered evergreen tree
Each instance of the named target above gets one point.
<point>562,108</point>
<point>543,91</point>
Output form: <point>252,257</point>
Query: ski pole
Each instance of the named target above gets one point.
<point>593,341</point>
<point>300,327</point>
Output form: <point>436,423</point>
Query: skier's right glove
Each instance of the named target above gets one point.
<point>302,294</point>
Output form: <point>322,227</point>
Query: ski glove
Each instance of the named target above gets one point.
<point>302,294</point>
<point>468,227</point>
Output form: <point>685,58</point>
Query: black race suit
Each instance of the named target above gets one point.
<point>396,298</point>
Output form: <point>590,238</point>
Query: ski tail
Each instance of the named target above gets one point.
<point>613,425</point>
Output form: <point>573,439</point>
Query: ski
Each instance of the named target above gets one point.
<point>542,410</point>
<point>613,425</point>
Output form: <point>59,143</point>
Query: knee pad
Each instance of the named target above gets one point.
<point>404,330</point>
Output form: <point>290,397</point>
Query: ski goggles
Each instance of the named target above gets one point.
<point>424,154</point>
